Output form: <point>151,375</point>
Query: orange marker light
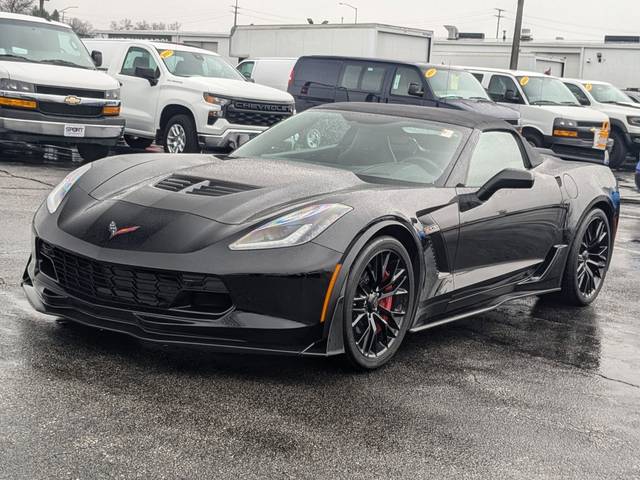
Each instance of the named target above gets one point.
<point>327,296</point>
<point>565,133</point>
<point>111,111</point>
<point>18,103</point>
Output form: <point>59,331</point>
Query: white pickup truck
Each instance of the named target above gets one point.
<point>187,98</point>
<point>50,90</point>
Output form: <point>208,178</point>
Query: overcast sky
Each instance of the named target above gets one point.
<point>572,19</point>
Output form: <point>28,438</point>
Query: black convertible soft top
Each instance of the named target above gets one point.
<point>444,115</point>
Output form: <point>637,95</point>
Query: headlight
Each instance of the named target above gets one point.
<point>60,191</point>
<point>565,123</point>
<point>112,94</point>
<point>16,86</point>
<point>563,127</point>
<point>292,229</point>
<point>634,121</point>
<point>215,100</point>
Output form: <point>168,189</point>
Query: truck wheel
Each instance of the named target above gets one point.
<point>534,139</point>
<point>90,152</point>
<point>180,135</point>
<point>619,150</point>
<point>138,142</point>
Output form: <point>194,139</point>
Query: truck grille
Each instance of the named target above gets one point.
<point>51,108</point>
<point>257,113</point>
<point>107,283</point>
<point>66,91</point>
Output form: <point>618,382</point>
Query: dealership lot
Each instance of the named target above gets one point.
<point>531,390</point>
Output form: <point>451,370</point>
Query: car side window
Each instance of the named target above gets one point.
<point>578,93</point>
<point>503,89</point>
<point>494,152</point>
<point>137,57</point>
<point>363,77</point>
<point>404,77</point>
<point>351,76</point>
<point>479,76</point>
<point>246,69</point>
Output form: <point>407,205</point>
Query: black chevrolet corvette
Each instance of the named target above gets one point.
<point>335,232</point>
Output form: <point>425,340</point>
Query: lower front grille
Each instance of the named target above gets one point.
<point>569,151</point>
<point>258,119</point>
<point>69,110</point>
<point>114,284</point>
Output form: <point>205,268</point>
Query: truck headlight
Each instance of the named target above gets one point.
<point>16,86</point>
<point>563,127</point>
<point>215,100</point>
<point>293,229</point>
<point>634,121</point>
<point>112,94</point>
<point>60,191</point>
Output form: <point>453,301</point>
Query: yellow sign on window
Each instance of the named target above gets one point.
<point>524,81</point>
<point>431,72</point>
<point>166,53</point>
<point>588,87</point>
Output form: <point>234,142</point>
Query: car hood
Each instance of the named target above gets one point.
<point>226,87</point>
<point>57,75</point>
<point>621,108</point>
<point>236,191</point>
<point>581,114</point>
<point>491,109</point>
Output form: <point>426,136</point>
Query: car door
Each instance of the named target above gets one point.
<point>139,96</point>
<point>509,235</point>
<point>401,80</point>
<point>362,81</point>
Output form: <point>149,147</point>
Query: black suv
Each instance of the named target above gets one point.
<point>316,80</point>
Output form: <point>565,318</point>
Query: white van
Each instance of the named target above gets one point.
<point>550,115</point>
<point>623,113</point>
<point>270,71</point>
<point>50,90</point>
<point>187,98</point>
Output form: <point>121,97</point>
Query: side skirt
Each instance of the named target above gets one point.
<point>471,313</point>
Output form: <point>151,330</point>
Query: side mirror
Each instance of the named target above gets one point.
<point>511,96</point>
<point>507,178</point>
<point>148,74</point>
<point>415,90</point>
<point>96,56</point>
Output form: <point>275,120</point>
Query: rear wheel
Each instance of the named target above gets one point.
<point>379,303</point>
<point>138,142</point>
<point>90,152</point>
<point>180,135</point>
<point>619,150</point>
<point>588,260</point>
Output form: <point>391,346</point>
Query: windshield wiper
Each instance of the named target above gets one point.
<point>480,99</point>
<point>452,97</point>
<point>544,102</point>
<point>65,63</point>
<point>15,57</point>
<point>573,104</point>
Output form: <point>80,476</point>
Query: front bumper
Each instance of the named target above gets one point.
<point>36,127</point>
<point>578,149</point>
<point>230,139</point>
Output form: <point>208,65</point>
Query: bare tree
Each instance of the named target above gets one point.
<point>81,27</point>
<point>16,6</point>
<point>127,24</point>
<point>123,24</point>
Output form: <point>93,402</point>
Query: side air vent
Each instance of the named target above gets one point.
<point>217,189</point>
<point>175,183</point>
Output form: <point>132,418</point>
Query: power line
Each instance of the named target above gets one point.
<point>499,16</point>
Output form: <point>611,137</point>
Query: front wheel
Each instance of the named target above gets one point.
<point>379,303</point>
<point>588,260</point>
<point>619,150</point>
<point>180,135</point>
<point>90,152</point>
<point>138,142</point>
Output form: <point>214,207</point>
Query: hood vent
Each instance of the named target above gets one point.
<point>201,186</point>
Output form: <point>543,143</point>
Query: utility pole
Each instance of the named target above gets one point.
<point>515,46</point>
<point>499,16</point>
<point>42,6</point>
<point>235,15</point>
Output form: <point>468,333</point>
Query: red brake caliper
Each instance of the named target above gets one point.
<point>385,303</point>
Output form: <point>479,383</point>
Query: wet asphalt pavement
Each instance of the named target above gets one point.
<point>531,390</point>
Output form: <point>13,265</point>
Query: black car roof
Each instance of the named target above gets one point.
<point>381,60</point>
<point>443,115</point>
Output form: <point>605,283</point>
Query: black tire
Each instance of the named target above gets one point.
<point>376,349</point>
<point>138,142</point>
<point>90,152</point>
<point>534,138</point>
<point>619,151</point>
<point>186,124</point>
<point>577,262</point>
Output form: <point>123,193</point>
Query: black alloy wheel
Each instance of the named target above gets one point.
<point>619,151</point>
<point>588,260</point>
<point>381,295</point>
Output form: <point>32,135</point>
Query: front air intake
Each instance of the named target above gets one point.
<point>201,186</point>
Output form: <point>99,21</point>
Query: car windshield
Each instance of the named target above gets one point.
<point>183,63</point>
<point>546,91</point>
<point>378,148</point>
<point>447,83</point>
<point>605,93</point>
<point>38,42</point>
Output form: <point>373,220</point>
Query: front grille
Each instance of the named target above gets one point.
<point>597,125</point>
<point>113,284</point>
<point>513,122</point>
<point>201,186</point>
<point>69,110</point>
<point>66,91</point>
<point>257,114</point>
